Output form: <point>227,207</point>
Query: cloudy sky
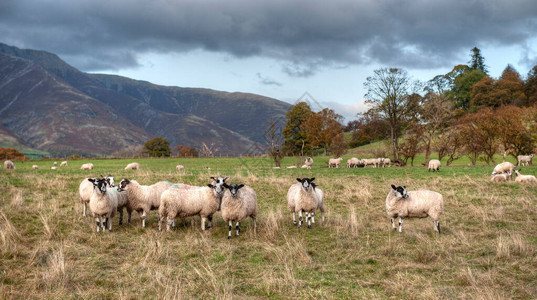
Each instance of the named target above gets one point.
<point>276,48</point>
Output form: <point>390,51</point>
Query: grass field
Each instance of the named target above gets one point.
<point>487,249</point>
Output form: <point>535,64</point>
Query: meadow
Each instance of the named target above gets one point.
<point>487,248</point>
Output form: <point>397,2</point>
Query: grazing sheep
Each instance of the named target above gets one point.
<point>193,201</point>
<point>386,161</point>
<point>238,203</point>
<point>501,177</point>
<point>369,161</point>
<point>63,164</point>
<point>85,190</point>
<point>301,197</point>
<point>179,167</point>
<point>524,159</point>
<point>55,164</point>
<point>133,166</point>
<point>9,165</point>
<point>320,202</point>
<point>54,168</point>
<point>103,203</point>
<point>434,164</point>
<point>334,162</point>
<point>35,167</point>
<point>143,198</point>
<point>353,162</point>
<point>504,168</point>
<point>524,178</point>
<point>88,166</point>
<point>414,204</point>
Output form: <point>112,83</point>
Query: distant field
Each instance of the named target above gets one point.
<point>487,249</point>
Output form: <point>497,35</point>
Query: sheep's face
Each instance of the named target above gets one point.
<point>100,184</point>
<point>218,184</point>
<point>306,182</point>
<point>110,180</point>
<point>123,184</point>
<point>400,191</point>
<point>234,188</point>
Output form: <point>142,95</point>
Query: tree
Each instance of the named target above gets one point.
<point>293,132</point>
<point>449,144</point>
<point>274,149</point>
<point>477,61</point>
<point>158,147</point>
<point>322,127</point>
<point>338,146</point>
<point>388,93</point>
<point>208,150</point>
<point>11,154</point>
<point>435,115</point>
<point>185,151</point>
<point>411,145</point>
<point>510,88</point>
<point>462,88</point>
<point>514,135</point>
<point>530,86</point>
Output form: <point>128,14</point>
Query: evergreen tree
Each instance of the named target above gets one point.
<point>477,61</point>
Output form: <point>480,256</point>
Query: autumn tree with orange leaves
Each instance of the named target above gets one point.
<point>322,128</point>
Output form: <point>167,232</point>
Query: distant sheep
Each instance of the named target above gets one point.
<point>524,159</point>
<point>414,204</point>
<point>307,163</point>
<point>88,166</point>
<point>434,165</point>
<point>301,197</point>
<point>54,168</point>
<point>55,164</point>
<point>353,162</point>
<point>501,177</point>
<point>143,198</point>
<point>291,167</point>
<point>386,161</point>
<point>35,167</point>
<point>504,168</point>
<point>63,164</point>
<point>238,203</point>
<point>524,178</point>
<point>9,165</point>
<point>334,162</point>
<point>369,162</point>
<point>133,166</point>
<point>179,167</point>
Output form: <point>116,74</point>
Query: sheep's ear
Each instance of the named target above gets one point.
<point>226,178</point>
<point>299,180</point>
<point>210,185</point>
<point>240,186</point>
<point>312,179</point>
<point>404,186</point>
<point>393,187</point>
<point>92,180</point>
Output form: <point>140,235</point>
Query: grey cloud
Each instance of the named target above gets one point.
<point>267,81</point>
<point>304,35</point>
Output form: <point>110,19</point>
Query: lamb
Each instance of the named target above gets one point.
<point>179,167</point>
<point>434,164</point>
<point>9,165</point>
<point>524,178</point>
<point>63,164</point>
<point>501,177</point>
<point>85,190</point>
<point>143,198</point>
<point>88,166</point>
<point>414,204</point>
<point>35,167</point>
<point>103,203</point>
<point>301,197</point>
<point>238,203</point>
<point>334,162</point>
<point>386,161</point>
<point>504,168</point>
<point>193,201</point>
<point>353,162</point>
<point>133,166</point>
<point>521,159</point>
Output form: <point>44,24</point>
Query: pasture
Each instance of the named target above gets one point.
<point>487,249</point>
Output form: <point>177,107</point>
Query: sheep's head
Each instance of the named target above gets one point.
<point>400,191</point>
<point>109,179</point>
<point>99,184</point>
<point>123,184</point>
<point>217,184</point>
<point>306,182</point>
<point>234,188</point>
<point>517,172</point>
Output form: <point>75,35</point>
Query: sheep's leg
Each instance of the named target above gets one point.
<point>129,213</point>
<point>313,218</point>
<point>299,219</point>
<point>109,220</point>
<point>294,218</point>
<point>400,224</point>
<point>322,213</point>
<point>203,223</point>
<point>308,218</point>
<point>98,222</point>
<point>169,223</point>
<point>143,219</point>
<point>230,228</point>
<point>174,225</point>
<point>120,216</point>
<point>393,224</point>
<point>160,219</point>
<point>210,225</point>
<point>85,205</point>
<point>238,228</point>
<point>255,225</point>
<point>436,226</point>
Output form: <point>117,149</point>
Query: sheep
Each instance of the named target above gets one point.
<point>54,168</point>
<point>85,190</point>
<point>386,161</point>
<point>55,164</point>
<point>238,203</point>
<point>88,166</point>
<point>103,203</point>
<point>434,164</point>
<point>503,168</point>
<point>9,165</point>
<point>524,178</point>
<point>369,161</point>
<point>133,166</point>
<point>305,167</point>
<point>192,201</point>
<point>63,164</point>
<point>301,197</point>
<point>122,203</point>
<point>308,162</point>
<point>291,167</point>
<point>353,162</point>
<point>501,177</point>
<point>521,159</point>
<point>320,202</point>
<point>143,198</point>
<point>414,204</point>
<point>179,167</point>
<point>334,162</point>
<point>35,167</point>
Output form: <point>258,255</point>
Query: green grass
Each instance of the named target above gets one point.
<point>487,248</point>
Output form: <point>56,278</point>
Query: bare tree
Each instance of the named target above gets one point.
<point>435,114</point>
<point>208,150</point>
<point>275,143</point>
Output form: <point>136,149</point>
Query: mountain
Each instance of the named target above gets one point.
<point>49,105</point>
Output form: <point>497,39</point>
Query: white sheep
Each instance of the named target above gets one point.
<point>369,161</point>
<point>504,168</point>
<point>63,164</point>
<point>334,162</point>
<point>386,161</point>
<point>290,167</point>
<point>238,203</point>
<point>193,201</point>
<point>308,163</point>
<point>103,203</point>
<point>320,202</point>
<point>305,167</point>
<point>414,204</point>
<point>524,159</point>
<point>434,164</point>
<point>179,167</point>
<point>88,166</point>
<point>85,190</point>
<point>501,177</point>
<point>35,167</point>
<point>123,203</point>
<point>133,166</point>
<point>143,198</point>
<point>301,197</point>
<point>353,162</point>
<point>524,178</point>
<point>55,164</point>
<point>54,168</point>
<point>8,164</point>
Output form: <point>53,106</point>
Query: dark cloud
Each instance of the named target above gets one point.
<point>267,81</point>
<point>304,35</point>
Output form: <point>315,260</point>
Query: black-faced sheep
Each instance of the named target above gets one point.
<point>103,203</point>
<point>238,203</point>
<point>301,197</point>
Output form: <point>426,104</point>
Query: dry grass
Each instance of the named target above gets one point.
<point>487,249</point>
